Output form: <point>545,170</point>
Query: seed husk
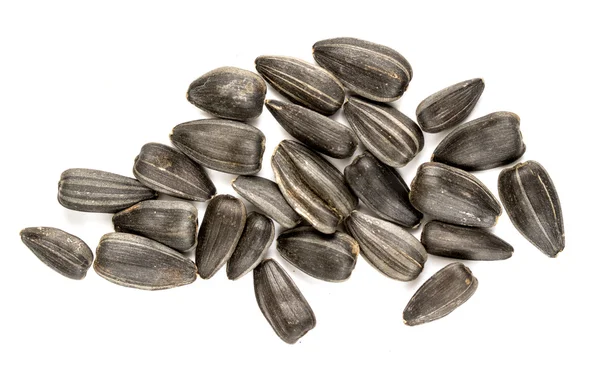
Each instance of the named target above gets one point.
<point>450,106</point>
<point>386,132</point>
<point>65,253</point>
<point>312,186</point>
<point>166,170</point>
<point>453,196</point>
<point>256,238</point>
<point>318,132</point>
<point>387,247</point>
<point>382,189</point>
<point>221,229</point>
<point>371,70</point>
<point>137,262</point>
<point>281,302</point>
<point>172,223</point>
<point>488,142</point>
<point>302,83</point>
<point>265,194</point>
<point>89,190</point>
<point>465,243</point>
<point>229,93</point>
<point>531,201</point>
<point>445,291</point>
<point>223,145</point>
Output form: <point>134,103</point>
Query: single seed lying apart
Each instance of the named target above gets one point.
<point>256,238</point>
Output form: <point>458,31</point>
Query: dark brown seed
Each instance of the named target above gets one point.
<point>255,240</point>
<point>61,251</point>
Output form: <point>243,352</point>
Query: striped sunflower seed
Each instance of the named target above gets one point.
<point>256,238</point>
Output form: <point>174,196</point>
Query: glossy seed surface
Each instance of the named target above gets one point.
<point>257,237</point>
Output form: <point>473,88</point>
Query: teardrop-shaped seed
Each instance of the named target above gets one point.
<point>137,262</point>
<point>453,196</point>
<point>488,142</point>
<point>531,201</point>
<point>221,229</point>
<point>450,106</point>
<point>302,83</point>
<point>382,189</point>
<point>329,257</point>
<point>386,132</point>
<point>318,132</point>
<point>387,247</point>
<point>465,243</point>
<point>89,190</point>
<point>257,237</point>
<point>265,194</point>
<point>169,171</point>
<point>172,223</point>
<point>371,70</point>
<point>312,186</point>
<point>61,251</point>
<point>281,302</point>
<point>223,145</point>
<point>229,93</point>
<point>445,291</point>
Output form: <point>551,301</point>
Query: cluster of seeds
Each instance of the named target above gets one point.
<point>310,198</point>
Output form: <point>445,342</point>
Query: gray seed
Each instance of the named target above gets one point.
<point>532,203</point>
<point>322,256</point>
<point>371,70</point>
<point>172,223</point>
<point>281,302</point>
<point>302,83</point>
<point>465,243</point>
<point>313,129</point>
<point>229,93</point>
<point>255,240</point>
<point>450,106</point>
<point>223,145</point>
<point>488,142</point>
<point>445,291</point>
<point>89,190</point>
<point>387,133</point>
<point>382,189</point>
<point>453,196</point>
<point>221,229</point>
<point>61,251</point>
<point>169,171</point>
<point>137,262</point>
<point>387,247</point>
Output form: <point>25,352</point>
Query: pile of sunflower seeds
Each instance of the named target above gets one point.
<point>310,198</point>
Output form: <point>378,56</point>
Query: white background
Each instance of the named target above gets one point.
<point>88,85</point>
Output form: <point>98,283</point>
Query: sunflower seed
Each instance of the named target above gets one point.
<point>445,291</point>
<point>313,129</point>
<point>88,190</point>
<point>137,262</point>
<point>221,229</point>
<point>453,196</point>
<point>312,186</point>
<point>302,83</point>
<point>387,133</point>
<point>169,171</point>
<point>465,243</point>
<point>322,256</point>
<point>382,190</point>
<point>387,247</point>
<point>265,194</point>
<point>229,93</point>
<point>532,203</point>
<point>172,223</point>
<point>61,251</point>
<point>255,240</point>
<point>450,106</point>
<point>223,145</point>
<point>281,302</point>
<point>371,70</point>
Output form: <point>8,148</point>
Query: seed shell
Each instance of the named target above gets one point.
<point>257,237</point>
